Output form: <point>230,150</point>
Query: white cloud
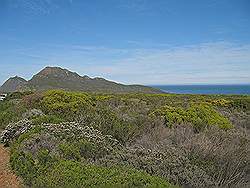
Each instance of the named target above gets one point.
<point>210,63</point>
<point>204,63</point>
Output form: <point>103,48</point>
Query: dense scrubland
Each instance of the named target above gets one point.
<point>75,139</point>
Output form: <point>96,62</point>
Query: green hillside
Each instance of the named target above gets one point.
<point>59,78</point>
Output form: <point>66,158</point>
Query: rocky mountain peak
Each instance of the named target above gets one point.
<point>59,78</point>
<point>13,84</point>
<point>56,71</point>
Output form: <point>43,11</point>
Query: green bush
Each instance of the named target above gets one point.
<point>74,174</point>
<point>90,150</point>
<point>199,115</point>
<point>221,102</point>
<point>69,151</point>
<point>204,115</point>
<point>82,148</point>
<point>45,159</point>
<point>242,103</point>
<point>43,156</point>
<point>17,95</point>
<point>10,112</point>
<point>24,166</point>
<point>6,117</point>
<point>65,104</point>
<point>108,122</point>
<point>47,119</point>
<point>48,171</point>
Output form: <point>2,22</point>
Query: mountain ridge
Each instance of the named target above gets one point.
<point>13,84</point>
<point>60,78</point>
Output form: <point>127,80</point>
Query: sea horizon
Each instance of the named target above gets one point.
<point>233,89</point>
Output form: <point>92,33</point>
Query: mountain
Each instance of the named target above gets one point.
<point>13,84</point>
<point>58,78</point>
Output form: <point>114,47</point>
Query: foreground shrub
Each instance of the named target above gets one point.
<point>222,155</point>
<point>75,174</point>
<point>24,166</point>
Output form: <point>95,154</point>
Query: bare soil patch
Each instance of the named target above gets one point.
<point>7,178</point>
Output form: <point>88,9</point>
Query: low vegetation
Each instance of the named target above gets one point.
<point>73,139</point>
<point>198,115</point>
<point>49,172</point>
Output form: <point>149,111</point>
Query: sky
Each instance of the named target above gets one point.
<point>151,42</point>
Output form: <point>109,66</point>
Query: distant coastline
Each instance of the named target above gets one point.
<point>234,89</point>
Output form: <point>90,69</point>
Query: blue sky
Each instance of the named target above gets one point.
<point>129,41</point>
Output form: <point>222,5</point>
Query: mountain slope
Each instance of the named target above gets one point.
<point>58,78</point>
<point>13,84</point>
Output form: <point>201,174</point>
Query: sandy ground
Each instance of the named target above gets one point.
<point>7,178</point>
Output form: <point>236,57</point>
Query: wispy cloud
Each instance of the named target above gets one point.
<point>219,62</point>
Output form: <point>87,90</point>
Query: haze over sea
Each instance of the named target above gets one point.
<point>240,89</point>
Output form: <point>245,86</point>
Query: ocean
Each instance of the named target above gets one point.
<point>205,89</point>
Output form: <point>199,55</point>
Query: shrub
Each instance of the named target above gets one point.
<point>45,159</point>
<point>60,155</point>
<point>204,115</point>
<point>70,151</point>
<point>47,119</point>
<point>24,166</point>
<point>17,95</point>
<point>75,174</point>
<point>51,172</point>
<point>199,115</point>
<point>89,149</point>
<point>33,100</point>
<point>108,122</point>
<point>242,103</point>
<point>223,155</point>
<point>221,102</point>
<point>6,117</point>
<point>27,134</point>
<point>10,111</point>
<point>64,103</point>
<point>84,148</point>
